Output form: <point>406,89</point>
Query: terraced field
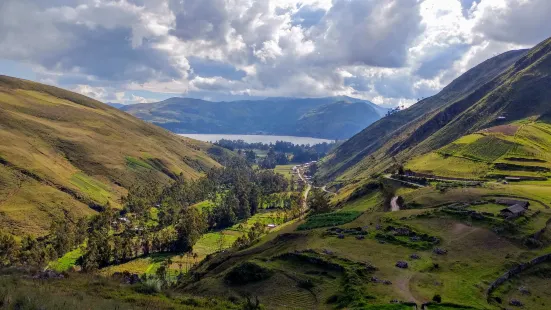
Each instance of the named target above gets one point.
<point>494,153</point>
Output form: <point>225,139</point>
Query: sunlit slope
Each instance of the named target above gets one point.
<point>63,155</point>
<point>520,149</point>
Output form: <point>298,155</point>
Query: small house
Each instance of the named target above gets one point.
<point>512,202</point>
<point>513,211</point>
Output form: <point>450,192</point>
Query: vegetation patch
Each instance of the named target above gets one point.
<point>407,237</point>
<point>95,190</point>
<point>67,261</point>
<point>247,272</point>
<point>329,219</point>
<point>488,149</point>
<point>514,167</point>
<point>135,163</point>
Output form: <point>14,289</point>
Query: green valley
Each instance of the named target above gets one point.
<point>444,204</point>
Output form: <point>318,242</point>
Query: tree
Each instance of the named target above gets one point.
<point>250,156</point>
<point>191,225</point>
<point>318,202</point>
<point>221,241</point>
<point>9,249</point>
<point>254,199</point>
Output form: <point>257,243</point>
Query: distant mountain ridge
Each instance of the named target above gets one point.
<point>277,116</point>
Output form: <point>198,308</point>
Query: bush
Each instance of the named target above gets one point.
<point>147,288</point>
<point>247,272</point>
<point>306,284</point>
<point>437,298</point>
<point>329,219</point>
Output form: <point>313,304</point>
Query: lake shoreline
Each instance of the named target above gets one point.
<point>256,138</point>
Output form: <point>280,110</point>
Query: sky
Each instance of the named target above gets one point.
<point>391,52</point>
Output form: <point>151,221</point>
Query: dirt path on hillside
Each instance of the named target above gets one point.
<point>394,206</point>
<point>461,231</point>
<point>404,287</point>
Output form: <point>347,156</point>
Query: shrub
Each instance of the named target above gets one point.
<point>437,298</point>
<point>306,284</point>
<point>247,272</point>
<point>329,219</point>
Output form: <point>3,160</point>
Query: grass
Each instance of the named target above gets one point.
<point>535,280</point>
<point>285,170</point>
<point>203,205</point>
<point>96,190</point>
<point>460,279</point>
<point>19,291</point>
<point>329,219</point>
<point>67,261</point>
<point>487,149</point>
<point>137,163</point>
<point>436,164</point>
<point>475,156</point>
<point>362,204</point>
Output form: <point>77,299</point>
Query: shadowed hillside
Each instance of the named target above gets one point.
<point>477,99</point>
<point>278,116</point>
<point>63,155</point>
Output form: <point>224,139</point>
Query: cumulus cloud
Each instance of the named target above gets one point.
<point>387,51</point>
<point>513,21</point>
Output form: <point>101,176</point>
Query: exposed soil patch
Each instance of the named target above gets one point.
<point>509,130</point>
<point>403,285</point>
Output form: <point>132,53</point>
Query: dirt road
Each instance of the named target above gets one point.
<point>394,206</point>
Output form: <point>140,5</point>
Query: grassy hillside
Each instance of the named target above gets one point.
<point>351,263</point>
<point>377,143</point>
<point>517,150</point>
<point>280,116</point>
<point>63,155</point>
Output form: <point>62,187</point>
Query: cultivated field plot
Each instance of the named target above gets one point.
<point>497,152</point>
<point>285,170</point>
<point>487,149</point>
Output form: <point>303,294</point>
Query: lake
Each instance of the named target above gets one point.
<point>255,138</point>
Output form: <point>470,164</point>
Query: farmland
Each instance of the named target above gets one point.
<point>491,154</point>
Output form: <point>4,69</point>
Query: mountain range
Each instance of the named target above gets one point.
<point>329,117</point>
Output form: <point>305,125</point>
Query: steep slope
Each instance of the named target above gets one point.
<point>337,120</point>
<point>270,116</point>
<point>394,137</point>
<point>62,155</point>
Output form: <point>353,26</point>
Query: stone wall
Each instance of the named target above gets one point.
<point>515,271</point>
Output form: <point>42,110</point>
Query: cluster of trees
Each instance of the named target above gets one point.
<point>251,236</point>
<point>236,191</point>
<point>278,153</point>
<point>318,201</point>
<point>63,237</point>
<point>273,159</point>
<point>395,110</point>
<point>113,237</point>
<point>240,195</point>
<point>111,243</point>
